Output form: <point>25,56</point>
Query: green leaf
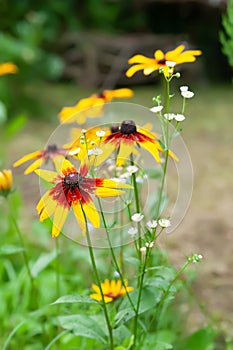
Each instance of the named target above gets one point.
<point>149,299</point>
<point>84,326</point>
<point>75,298</point>
<point>9,249</point>
<point>203,339</point>
<point>153,173</point>
<point>43,261</point>
<point>15,125</point>
<point>3,113</point>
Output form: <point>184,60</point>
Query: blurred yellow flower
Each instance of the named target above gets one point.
<point>91,107</point>
<point>167,61</point>
<point>5,181</point>
<point>111,290</point>
<point>8,68</point>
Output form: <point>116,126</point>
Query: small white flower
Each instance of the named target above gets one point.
<point>116,274</point>
<point>100,133</point>
<point>84,131</point>
<point>187,94</point>
<point>170,64</point>
<point>169,116</point>
<point>156,109</point>
<point>132,231</point>
<point>149,244</point>
<point>95,152</point>
<point>179,117</point>
<point>152,224</point>
<point>132,169</point>
<point>184,88</point>
<point>137,217</point>
<point>143,250</point>
<point>125,175</point>
<point>164,223</point>
<point>116,179</point>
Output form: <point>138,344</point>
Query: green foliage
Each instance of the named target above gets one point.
<point>226,35</point>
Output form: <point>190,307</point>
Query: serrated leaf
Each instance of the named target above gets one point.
<point>43,261</point>
<point>75,298</point>
<point>84,326</point>
<point>9,249</point>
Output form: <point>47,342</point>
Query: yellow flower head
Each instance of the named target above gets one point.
<point>92,106</point>
<point>72,189</point>
<point>111,290</point>
<point>167,61</point>
<point>8,68</point>
<point>5,182</point>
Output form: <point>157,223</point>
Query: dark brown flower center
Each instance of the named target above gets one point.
<point>52,148</point>
<point>72,180</point>
<point>114,128</point>
<point>128,127</point>
<point>162,61</point>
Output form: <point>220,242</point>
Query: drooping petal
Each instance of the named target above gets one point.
<point>78,212</point>
<point>46,206</point>
<point>46,175</point>
<point>33,155</point>
<point>90,210</point>
<point>126,148</point>
<point>134,69</point>
<point>59,219</point>
<point>140,59</point>
<point>153,148</point>
<point>34,166</point>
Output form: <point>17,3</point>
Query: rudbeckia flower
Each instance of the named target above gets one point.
<point>127,137</point>
<point>111,290</point>
<point>92,106</point>
<point>8,68</point>
<point>40,157</point>
<point>167,61</point>
<point>72,189</point>
<point>5,182</point>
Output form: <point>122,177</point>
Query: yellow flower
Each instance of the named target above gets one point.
<point>92,106</point>
<point>72,189</point>
<point>5,181</point>
<point>40,157</point>
<point>167,61</point>
<point>8,68</point>
<point>126,138</point>
<point>111,290</point>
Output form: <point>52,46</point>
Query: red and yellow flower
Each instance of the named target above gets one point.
<point>167,61</point>
<point>8,68</point>
<point>42,156</point>
<point>92,106</point>
<point>126,138</point>
<point>111,290</point>
<point>5,181</point>
<point>72,189</point>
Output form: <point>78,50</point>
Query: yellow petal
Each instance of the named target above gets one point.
<point>108,192</point>
<point>59,219</point>
<point>33,155</point>
<point>79,216</point>
<point>125,150</point>
<point>47,207</point>
<point>96,296</point>
<point>118,93</point>
<point>134,69</point>
<point>153,148</point>
<point>92,213</point>
<point>34,166</point>
<point>46,175</point>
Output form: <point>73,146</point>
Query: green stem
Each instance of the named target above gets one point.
<point>113,254</point>
<point>142,275</point>
<point>26,260</point>
<point>137,203</point>
<point>161,303</point>
<point>98,282</point>
<point>166,143</point>
<point>57,272</point>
